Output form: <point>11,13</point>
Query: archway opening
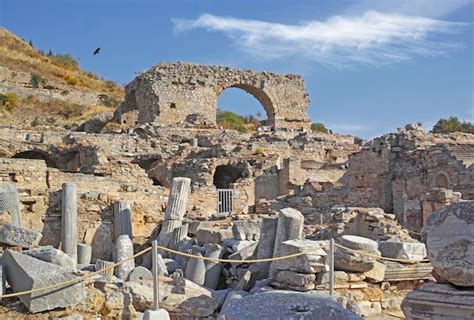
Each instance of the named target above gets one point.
<point>36,155</point>
<point>225,175</point>
<point>442,181</point>
<point>244,108</point>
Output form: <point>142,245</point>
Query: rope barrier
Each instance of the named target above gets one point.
<point>76,280</point>
<point>294,255</point>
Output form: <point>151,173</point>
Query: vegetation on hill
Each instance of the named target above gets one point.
<point>230,120</point>
<point>319,127</point>
<point>19,55</point>
<point>452,124</point>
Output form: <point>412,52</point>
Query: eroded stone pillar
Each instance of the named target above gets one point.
<point>84,253</point>
<point>122,219</point>
<point>123,250</point>
<point>69,220</point>
<point>268,230</point>
<point>196,270</point>
<point>180,189</point>
<point>289,227</point>
<point>10,202</point>
<point>213,269</point>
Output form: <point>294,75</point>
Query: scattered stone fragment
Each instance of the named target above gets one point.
<point>24,273</point>
<point>280,304</point>
<point>17,236</point>
<point>246,230</point>
<point>403,250</point>
<point>312,262</point>
<point>84,254</point>
<point>217,236</point>
<point>139,274</point>
<point>52,255</point>
<point>196,270</point>
<point>450,242</point>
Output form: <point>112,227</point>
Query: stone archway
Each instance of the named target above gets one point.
<point>260,95</point>
<point>441,181</point>
<point>168,94</point>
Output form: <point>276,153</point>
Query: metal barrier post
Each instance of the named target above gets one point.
<point>156,275</point>
<point>331,267</point>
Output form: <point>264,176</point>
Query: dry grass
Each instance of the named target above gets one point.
<point>18,55</point>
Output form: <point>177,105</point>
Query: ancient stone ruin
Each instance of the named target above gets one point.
<point>170,94</point>
<point>395,212</point>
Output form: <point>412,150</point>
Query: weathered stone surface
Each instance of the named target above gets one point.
<point>17,236</point>
<point>179,296</point>
<point>347,260</point>
<point>52,255</point>
<point>296,279</point>
<point>400,272</point>
<point>365,308</point>
<point>247,253</point>
<point>231,295</point>
<point>312,262</point>
<point>234,245</point>
<point>196,270</point>
<point>122,219</point>
<point>358,243</point>
<point>340,277</point>
<point>118,305</point>
<point>103,266</point>
<point>190,91</point>
<point>69,220</point>
<point>124,250</point>
<point>196,225</point>
<point>289,227</point>
<point>403,250</point>
<point>9,202</point>
<point>84,253</point>
<point>171,265</point>
<point>450,242</point>
<point>377,273</point>
<point>160,262</point>
<point>217,236</point>
<point>268,230</point>
<point>213,269</point>
<point>179,193</point>
<point>279,304</point>
<point>139,274</point>
<point>246,230</point>
<point>25,273</point>
<point>438,301</point>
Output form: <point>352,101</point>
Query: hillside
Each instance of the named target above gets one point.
<point>39,88</point>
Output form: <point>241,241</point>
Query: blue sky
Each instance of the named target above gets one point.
<point>369,66</point>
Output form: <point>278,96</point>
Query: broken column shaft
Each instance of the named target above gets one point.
<point>69,220</point>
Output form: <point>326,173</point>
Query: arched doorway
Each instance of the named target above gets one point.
<point>224,177</point>
<point>252,104</point>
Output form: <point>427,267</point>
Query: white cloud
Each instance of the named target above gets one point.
<point>372,38</point>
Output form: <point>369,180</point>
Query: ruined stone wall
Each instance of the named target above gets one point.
<point>169,93</point>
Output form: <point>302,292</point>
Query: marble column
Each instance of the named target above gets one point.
<point>69,220</point>
<point>9,201</point>
<point>122,219</point>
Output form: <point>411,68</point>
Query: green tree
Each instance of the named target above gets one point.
<point>230,120</point>
<point>452,124</point>
<point>318,127</point>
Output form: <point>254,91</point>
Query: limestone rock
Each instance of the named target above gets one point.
<point>438,301</point>
<point>25,273</point>
<point>139,274</point>
<point>377,273</point>
<point>234,245</point>
<point>365,308</point>
<point>279,304</point>
<point>196,225</point>
<point>52,255</point>
<point>312,262</point>
<point>246,230</point>
<point>450,242</point>
<point>359,243</point>
<point>207,235</point>
<point>296,279</point>
<point>196,270</point>
<point>17,236</point>
<point>179,296</point>
<point>123,251</point>
<point>403,250</point>
<point>247,253</point>
<point>400,272</point>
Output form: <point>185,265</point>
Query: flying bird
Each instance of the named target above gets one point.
<point>96,51</point>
